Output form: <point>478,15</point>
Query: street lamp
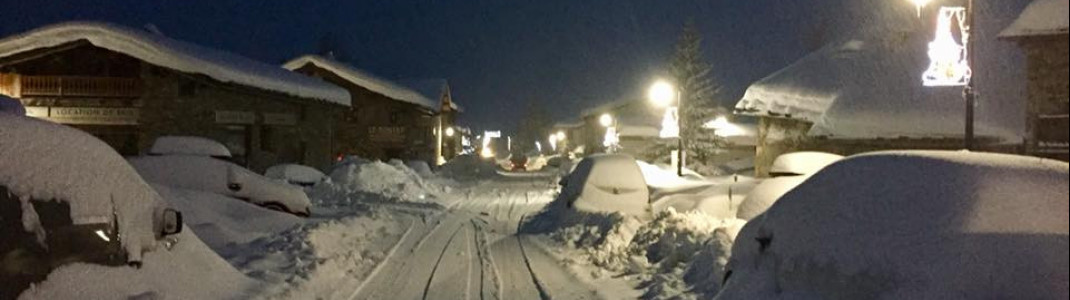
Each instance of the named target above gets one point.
<point>606,120</point>
<point>450,132</point>
<point>952,64</point>
<point>662,94</point>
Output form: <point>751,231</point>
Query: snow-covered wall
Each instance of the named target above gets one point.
<point>181,56</point>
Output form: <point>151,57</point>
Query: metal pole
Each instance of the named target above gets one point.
<point>968,92</point>
<point>680,123</point>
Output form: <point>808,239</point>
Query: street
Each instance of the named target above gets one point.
<point>473,252</point>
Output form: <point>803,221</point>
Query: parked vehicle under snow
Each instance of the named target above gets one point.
<point>67,197</point>
<point>205,173</point>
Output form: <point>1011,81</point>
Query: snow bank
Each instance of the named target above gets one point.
<point>1042,17</point>
<point>188,271</point>
<point>188,145</point>
<point>802,163</point>
<point>365,180</point>
<point>181,56</point>
<point>469,168</point>
<point>420,167</point>
<point>763,196</point>
<point>912,225</point>
<point>363,79</point>
<point>42,160</point>
<point>295,174</point>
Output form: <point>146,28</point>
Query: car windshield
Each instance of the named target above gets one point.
<point>594,149</point>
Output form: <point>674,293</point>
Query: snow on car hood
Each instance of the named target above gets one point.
<point>46,161</point>
<point>912,225</point>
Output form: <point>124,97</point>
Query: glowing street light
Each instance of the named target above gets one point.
<point>450,132</point>
<point>951,62</point>
<point>662,94</point>
<point>606,120</point>
<point>561,136</point>
<point>920,4</point>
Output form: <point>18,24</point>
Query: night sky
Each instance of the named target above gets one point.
<point>498,54</point>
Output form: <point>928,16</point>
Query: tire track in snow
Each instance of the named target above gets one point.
<point>438,263</point>
<point>389,256</point>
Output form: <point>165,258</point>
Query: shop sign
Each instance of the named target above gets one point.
<point>280,119</point>
<point>234,117</point>
<point>383,134</point>
<point>86,115</point>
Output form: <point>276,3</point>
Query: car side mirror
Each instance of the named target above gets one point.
<point>234,187</point>
<point>233,179</point>
<point>172,222</point>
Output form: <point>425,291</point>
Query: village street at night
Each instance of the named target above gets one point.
<point>515,150</point>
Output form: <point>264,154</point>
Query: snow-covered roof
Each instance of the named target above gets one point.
<point>363,79</point>
<point>173,54</point>
<point>863,89</point>
<point>1042,17</point>
<point>432,89</point>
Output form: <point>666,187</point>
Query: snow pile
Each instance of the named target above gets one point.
<point>358,180</point>
<point>469,168</point>
<point>420,167</point>
<point>188,145</point>
<point>188,271</point>
<point>362,79</point>
<point>296,174</point>
<point>802,163</point>
<point>42,160</point>
<point>1042,17</point>
<point>674,254</point>
<point>791,169</point>
<point>912,225</point>
<point>181,56</point>
<point>665,177</point>
<point>720,198</point>
<point>328,260</point>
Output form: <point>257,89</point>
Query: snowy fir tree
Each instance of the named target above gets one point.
<point>691,73</point>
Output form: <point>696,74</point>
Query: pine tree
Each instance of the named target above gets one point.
<point>692,75</point>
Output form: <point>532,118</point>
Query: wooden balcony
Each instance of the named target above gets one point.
<point>18,86</point>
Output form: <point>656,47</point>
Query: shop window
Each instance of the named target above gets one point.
<point>267,139</point>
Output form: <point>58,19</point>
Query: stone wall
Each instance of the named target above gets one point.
<point>1049,86</point>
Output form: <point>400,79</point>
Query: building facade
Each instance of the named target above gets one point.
<point>386,120</point>
<point>1047,53</point>
<point>129,96</point>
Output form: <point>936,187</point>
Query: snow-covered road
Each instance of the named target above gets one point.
<point>473,251</point>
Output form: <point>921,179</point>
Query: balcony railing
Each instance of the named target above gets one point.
<point>69,86</point>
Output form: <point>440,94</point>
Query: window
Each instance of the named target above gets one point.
<point>267,139</point>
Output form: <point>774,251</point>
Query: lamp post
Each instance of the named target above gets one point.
<point>663,94</point>
<point>954,63</point>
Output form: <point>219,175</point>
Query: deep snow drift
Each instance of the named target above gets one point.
<point>357,180</point>
<point>912,225</point>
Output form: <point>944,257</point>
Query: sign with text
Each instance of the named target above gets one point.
<point>235,117</point>
<point>384,134</point>
<point>280,119</point>
<point>86,115</point>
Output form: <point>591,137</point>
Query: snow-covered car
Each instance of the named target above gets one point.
<point>607,184</point>
<point>189,145</point>
<point>67,197</point>
<point>912,225</point>
<point>298,175</point>
<point>788,171</point>
<point>205,173</point>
